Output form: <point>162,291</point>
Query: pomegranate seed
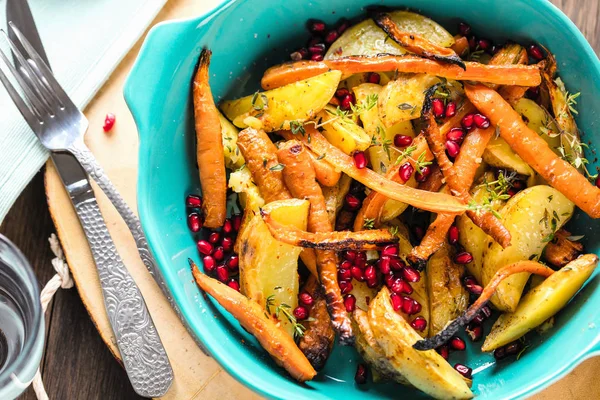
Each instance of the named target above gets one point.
<point>222,273</point>
<point>360,160</point>
<point>317,57</point>
<point>341,93</point>
<point>419,232</point>
<point>343,25</point>
<point>396,264</point>
<point>370,273</point>
<point>374,77</point>
<point>402,140</point>
<point>486,311</point>
<point>345,287</point>
<point>390,250</point>
<point>410,306</point>
<point>234,284</point>
<point>410,274</point>
<point>396,302</point>
<point>453,235</point>
<point>456,135</point>
<point>350,302</point>
<point>452,148</point>
<point>519,185</point>
<point>475,332</point>
<point>300,313</point>
<point>419,324</point>
<point>237,222</point>
<point>346,264</point>
<point>109,122</point>
<point>331,37</point>
<point>204,247</point>
<point>384,265</point>
<point>474,289</point>
<point>484,44</point>
<point>500,353</point>
<point>467,121</point>
<point>463,258</point>
<point>318,48</point>
<point>469,280</point>
<point>444,351</point>
<point>306,299</point>
<point>535,52</point>
<point>424,174</point>
<point>219,253</point>
<point>227,226</point>
<point>361,374</point>
<point>416,307</point>
<point>344,275</point>
<point>314,40</point>
<point>406,170</point>
<point>481,121</point>
<point>438,108</point>
<point>316,26</point>
<point>464,29</point>
<point>209,264</point>
<point>400,286</point>
<point>194,222</point>
<point>478,319</point>
<point>472,43</point>
<point>513,348</point>
<point>352,202</point>
<point>457,343</point>
<point>214,237</point>
<point>300,54</point>
<point>450,109</point>
<point>389,280</point>
<point>357,274</point>
<point>350,255</point>
<point>347,101</point>
<point>233,263</point>
<point>464,370</point>
<point>372,282</point>
<point>227,244</point>
<point>193,201</point>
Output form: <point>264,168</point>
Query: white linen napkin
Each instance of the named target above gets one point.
<point>84,41</point>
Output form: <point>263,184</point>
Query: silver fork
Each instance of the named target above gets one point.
<point>60,126</point>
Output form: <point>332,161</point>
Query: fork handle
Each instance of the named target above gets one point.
<point>89,163</point>
<point>142,352</point>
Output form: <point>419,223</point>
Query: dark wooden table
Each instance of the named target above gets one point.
<point>77,364</point>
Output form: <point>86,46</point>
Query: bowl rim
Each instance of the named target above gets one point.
<point>218,352</point>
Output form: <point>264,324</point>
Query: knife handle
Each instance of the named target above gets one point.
<point>91,166</point>
<point>142,352</point>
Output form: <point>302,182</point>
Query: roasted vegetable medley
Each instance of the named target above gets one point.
<point>399,186</point>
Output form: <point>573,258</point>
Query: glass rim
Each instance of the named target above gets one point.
<point>19,364</point>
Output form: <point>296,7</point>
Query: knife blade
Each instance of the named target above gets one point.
<point>149,370</point>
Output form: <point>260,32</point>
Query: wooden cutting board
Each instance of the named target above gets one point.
<point>196,375</point>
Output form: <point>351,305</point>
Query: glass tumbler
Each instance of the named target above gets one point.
<point>21,322</point>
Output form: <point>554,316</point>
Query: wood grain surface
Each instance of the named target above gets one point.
<point>78,365</point>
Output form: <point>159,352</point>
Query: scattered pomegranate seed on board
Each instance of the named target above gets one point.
<point>109,122</point>
<point>361,374</point>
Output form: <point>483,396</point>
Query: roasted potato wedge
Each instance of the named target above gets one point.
<point>295,103</point>
<point>402,99</point>
<point>342,132</point>
<point>233,157</point>
<point>317,341</point>
<point>447,296</point>
<point>334,197</point>
<point>532,217</point>
<point>425,370</point>
<point>540,121</point>
<point>266,330</point>
<point>367,39</point>
<point>367,347</point>
<point>542,302</point>
<point>240,181</point>
<point>269,268</point>
<point>499,154</point>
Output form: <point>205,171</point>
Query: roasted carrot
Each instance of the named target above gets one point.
<point>338,241</point>
<point>435,180</point>
<point>209,152</point>
<point>522,75</point>
<point>373,204</point>
<point>511,54</point>
<point>435,202</point>
<point>461,45</point>
<point>416,44</point>
<point>278,343</point>
<point>453,327</point>
<point>299,175</point>
<point>325,173</point>
<point>534,150</point>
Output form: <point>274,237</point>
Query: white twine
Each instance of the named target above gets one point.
<point>62,279</point>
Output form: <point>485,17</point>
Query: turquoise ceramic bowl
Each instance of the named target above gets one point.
<point>247,36</point>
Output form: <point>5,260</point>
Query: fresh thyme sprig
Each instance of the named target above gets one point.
<point>369,223</point>
<point>496,191</point>
<point>285,310</point>
<point>407,154</point>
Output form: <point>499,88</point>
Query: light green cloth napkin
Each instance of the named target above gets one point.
<point>84,40</point>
